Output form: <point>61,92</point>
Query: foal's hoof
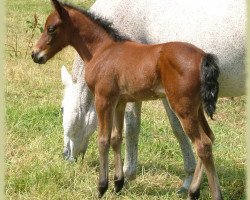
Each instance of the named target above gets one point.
<point>118,184</point>
<point>102,188</point>
<point>194,195</point>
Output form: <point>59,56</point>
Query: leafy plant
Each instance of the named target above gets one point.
<point>33,26</point>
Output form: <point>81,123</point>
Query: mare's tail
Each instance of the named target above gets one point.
<point>209,83</point>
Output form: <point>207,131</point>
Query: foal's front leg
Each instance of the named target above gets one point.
<point>116,141</point>
<point>104,109</point>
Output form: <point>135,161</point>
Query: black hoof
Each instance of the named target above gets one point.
<point>118,184</point>
<point>102,188</point>
<point>194,195</point>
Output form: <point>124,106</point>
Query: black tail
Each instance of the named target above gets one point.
<point>209,83</point>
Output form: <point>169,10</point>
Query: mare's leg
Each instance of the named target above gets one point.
<point>104,111</point>
<point>194,188</point>
<point>116,140</point>
<point>186,149</point>
<point>132,129</point>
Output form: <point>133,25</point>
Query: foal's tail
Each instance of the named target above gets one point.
<point>209,83</point>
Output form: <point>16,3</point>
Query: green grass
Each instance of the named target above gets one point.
<point>34,166</point>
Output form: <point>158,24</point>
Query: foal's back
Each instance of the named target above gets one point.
<point>215,26</point>
<point>135,71</point>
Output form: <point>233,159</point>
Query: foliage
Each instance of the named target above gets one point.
<point>33,26</point>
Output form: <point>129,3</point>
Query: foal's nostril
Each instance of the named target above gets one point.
<point>40,59</point>
<point>32,54</point>
<point>37,58</point>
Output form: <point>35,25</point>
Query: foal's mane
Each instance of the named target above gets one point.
<point>105,24</point>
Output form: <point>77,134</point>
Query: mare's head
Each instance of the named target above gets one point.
<point>57,30</point>
<point>79,116</point>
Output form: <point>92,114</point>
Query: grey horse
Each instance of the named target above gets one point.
<point>215,26</point>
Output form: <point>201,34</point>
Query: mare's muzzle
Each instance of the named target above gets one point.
<point>66,155</point>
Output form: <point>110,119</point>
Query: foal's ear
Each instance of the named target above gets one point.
<point>65,76</point>
<point>60,9</point>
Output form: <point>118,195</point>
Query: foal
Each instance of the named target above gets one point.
<point>119,71</point>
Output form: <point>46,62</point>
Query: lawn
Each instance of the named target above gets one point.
<point>34,141</point>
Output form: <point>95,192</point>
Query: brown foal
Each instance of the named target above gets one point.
<point>119,71</point>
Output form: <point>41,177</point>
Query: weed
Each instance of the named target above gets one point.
<point>13,49</point>
<point>33,26</point>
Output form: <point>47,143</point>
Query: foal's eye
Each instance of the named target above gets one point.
<point>51,29</point>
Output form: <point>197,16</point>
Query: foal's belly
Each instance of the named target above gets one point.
<point>157,92</point>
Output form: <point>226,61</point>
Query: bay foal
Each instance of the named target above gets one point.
<point>120,71</point>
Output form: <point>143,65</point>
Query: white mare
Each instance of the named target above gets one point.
<point>79,115</point>
<point>214,26</point>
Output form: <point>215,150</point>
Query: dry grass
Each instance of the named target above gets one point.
<point>35,169</point>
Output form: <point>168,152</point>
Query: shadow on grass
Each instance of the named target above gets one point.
<point>232,178</point>
<point>149,190</point>
<point>232,181</point>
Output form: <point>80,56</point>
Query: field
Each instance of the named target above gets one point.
<point>34,141</point>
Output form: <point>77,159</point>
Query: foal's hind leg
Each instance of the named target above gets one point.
<point>116,140</point>
<point>194,188</point>
<point>195,185</point>
<point>203,145</point>
<point>205,126</point>
<point>187,112</point>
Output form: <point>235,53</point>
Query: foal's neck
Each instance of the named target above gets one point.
<point>87,36</point>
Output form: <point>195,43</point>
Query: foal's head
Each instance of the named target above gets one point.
<point>69,25</point>
<point>56,35</point>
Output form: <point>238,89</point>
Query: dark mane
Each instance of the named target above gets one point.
<point>105,24</point>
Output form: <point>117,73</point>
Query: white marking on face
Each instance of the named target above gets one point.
<point>42,54</point>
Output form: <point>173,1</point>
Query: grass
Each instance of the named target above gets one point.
<point>35,169</point>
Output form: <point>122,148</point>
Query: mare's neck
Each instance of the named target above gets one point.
<point>78,72</point>
<point>88,37</point>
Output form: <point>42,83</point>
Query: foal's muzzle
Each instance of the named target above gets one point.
<point>38,57</point>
